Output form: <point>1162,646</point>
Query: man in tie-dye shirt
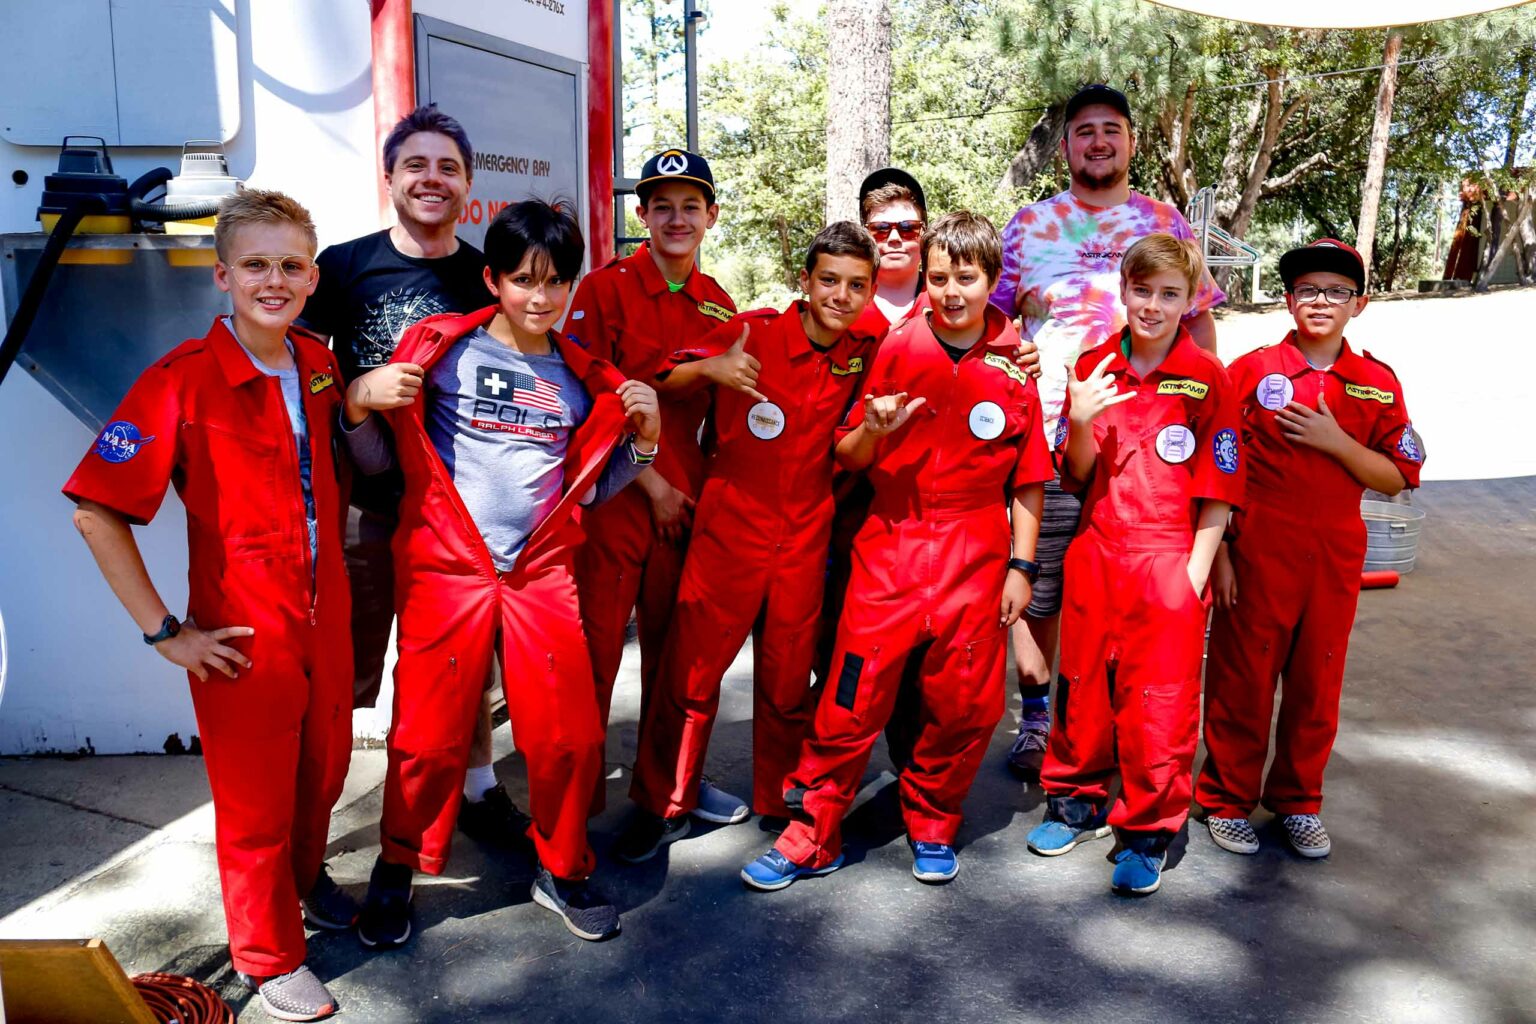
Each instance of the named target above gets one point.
<point>1061,279</point>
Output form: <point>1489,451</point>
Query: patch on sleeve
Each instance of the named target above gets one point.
<point>715,310</point>
<point>1369,394</point>
<point>1408,445</point>
<point>1061,433</point>
<point>120,441</point>
<point>1224,446</point>
<point>1002,362</point>
<point>318,382</point>
<point>1184,386</point>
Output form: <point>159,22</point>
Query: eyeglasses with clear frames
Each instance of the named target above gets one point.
<point>255,269</point>
<point>1336,296</point>
<point>907,229</point>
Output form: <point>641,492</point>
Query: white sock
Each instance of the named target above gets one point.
<point>476,781</point>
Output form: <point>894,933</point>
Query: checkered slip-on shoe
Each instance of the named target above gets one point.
<point>1306,835</point>
<point>1235,835</point>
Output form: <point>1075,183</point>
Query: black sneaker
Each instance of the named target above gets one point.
<point>297,995</point>
<point>586,912</point>
<point>495,820</point>
<point>329,906</point>
<point>386,918</point>
<point>647,833</point>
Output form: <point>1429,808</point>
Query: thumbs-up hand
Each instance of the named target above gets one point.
<point>1315,428</point>
<point>736,368</point>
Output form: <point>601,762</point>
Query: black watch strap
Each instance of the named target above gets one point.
<point>169,627</point>
<point>1031,570</point>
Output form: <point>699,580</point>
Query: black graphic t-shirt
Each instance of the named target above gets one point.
<point>369,293</point>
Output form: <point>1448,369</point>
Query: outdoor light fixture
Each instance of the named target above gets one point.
<point>1332,14</point>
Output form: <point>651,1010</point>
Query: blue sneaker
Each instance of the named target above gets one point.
<point>774,871</point>
<point>934,863</point>
<point>1053,838</point>
<point>1137,873</point>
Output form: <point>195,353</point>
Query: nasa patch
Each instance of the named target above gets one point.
<point>1275,391</point>
<point>120,441</point>
<point>1061,432</point>
<point>1224,446</point>
<point>765,420</point>
<point>1175,443</point>
<point>987,420</point>
<point>1408,445</point>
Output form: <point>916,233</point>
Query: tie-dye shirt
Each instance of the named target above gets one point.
<point>1061,274</point>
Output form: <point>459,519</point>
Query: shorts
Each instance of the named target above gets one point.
<point>371,569</point>
<point>1058,525</point>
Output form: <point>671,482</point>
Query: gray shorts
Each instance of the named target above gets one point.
<point>1058,525</point>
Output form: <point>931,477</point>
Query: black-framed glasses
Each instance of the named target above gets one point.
<point>907,229</point>
<point>1337,295</point>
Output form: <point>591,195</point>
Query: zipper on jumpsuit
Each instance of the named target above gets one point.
<point>275,388</point>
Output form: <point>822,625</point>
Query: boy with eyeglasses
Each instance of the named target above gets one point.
<point>1320,424</point>
<point>241,421</point>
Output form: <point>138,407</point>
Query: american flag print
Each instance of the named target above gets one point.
<point>535,392</point>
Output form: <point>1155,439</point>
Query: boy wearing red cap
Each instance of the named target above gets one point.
<point>1320,423</point>
<point>1149,435</point>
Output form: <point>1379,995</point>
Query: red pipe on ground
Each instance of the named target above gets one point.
<point>394,81</point>
<point>600,131</point>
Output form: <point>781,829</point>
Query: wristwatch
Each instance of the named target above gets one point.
<point>168,628</point>
<point>1031,570</point>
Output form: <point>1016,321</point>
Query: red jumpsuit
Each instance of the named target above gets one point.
<point>277,739</point>
<point>756,563</point>
<point>1297,548</point>
<point>927,581</point>
<point>455,609</point>
<point>1132,628</point>
<point>626,314</point>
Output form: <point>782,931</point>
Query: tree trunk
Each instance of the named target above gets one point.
<point>1376,163</point>
<point>1525,209</point>
<point>858,99</point>
<point>1043,143</point>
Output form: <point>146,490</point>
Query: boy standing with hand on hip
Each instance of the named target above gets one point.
<point>1149,435</point>
<point>1320,424</point>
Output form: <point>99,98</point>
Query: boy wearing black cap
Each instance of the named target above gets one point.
<point>629,313</point>
<point>1061,279</point>
<point>1320,424</point>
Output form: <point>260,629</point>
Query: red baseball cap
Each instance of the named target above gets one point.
<point>1326,255</point>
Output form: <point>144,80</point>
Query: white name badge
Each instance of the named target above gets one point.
<point>1175,443</point>
<point>987,420</point>
<point>1275,391</point>
<point>765,420</point>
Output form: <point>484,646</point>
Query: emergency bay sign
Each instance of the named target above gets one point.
<point>522,109</point>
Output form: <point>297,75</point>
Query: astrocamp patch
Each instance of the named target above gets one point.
<point>1184,386</point>
<point>715,310</point>
<point>1369,394</point>
<point>1001,362</point>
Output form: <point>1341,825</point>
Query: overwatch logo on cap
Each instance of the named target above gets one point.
<point>675,165</point>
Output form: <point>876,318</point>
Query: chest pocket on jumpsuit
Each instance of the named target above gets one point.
<point>1165,483</point>
<point>232,492</point>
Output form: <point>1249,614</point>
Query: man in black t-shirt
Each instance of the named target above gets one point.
<point>371,289</point>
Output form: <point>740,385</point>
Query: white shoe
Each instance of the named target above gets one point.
<point>1234,835</point>
<point>720,807</point>
<point>1306,835</point>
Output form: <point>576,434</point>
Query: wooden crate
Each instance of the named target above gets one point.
<point>66,981</point>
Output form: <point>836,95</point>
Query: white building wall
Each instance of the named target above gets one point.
<point>77,675</point>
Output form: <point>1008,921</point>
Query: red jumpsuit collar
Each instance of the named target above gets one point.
<point>1185,358</point>
<point>1348,366</point>
<point>234,359</point>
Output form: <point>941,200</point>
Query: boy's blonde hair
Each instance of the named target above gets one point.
<point>259,206</point>
<point>1161,251</point>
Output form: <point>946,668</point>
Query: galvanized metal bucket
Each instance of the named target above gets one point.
<point>1391,535</point>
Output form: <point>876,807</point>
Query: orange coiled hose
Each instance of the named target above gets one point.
<point>175,999</point>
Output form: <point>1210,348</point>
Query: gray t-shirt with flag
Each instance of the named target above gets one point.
<point>501,421</point>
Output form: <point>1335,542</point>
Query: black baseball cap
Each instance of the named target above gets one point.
<point>1098,93</point>
<point>892,176</point>
<point>675,165</point>
<point>1327,256</point>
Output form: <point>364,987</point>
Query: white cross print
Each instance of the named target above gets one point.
<point>496,384</point>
